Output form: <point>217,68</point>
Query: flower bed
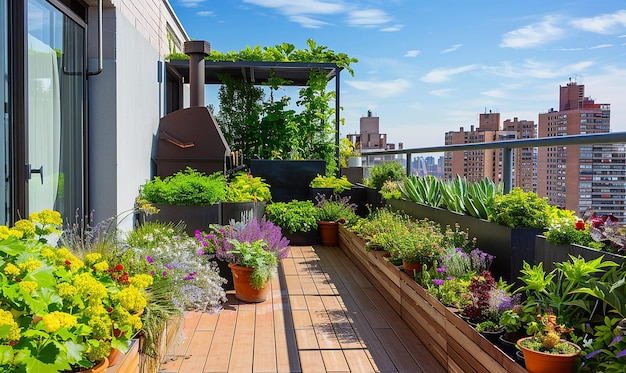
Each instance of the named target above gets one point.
<point>455,344</point>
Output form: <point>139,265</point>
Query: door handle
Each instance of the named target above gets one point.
<point>30,171</point>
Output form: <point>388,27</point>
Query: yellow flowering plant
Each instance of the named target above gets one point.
<point>59,313</point>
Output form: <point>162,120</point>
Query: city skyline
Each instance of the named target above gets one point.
<point>428,68</point>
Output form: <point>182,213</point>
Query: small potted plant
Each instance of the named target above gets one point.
<point>297,220</point>
<point>189,196</point>
<point>252,266</point>
<point>546,351</point>
<point>246,195</point>
<point>329,214</point>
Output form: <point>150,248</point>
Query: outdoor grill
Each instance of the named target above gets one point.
<point>190,137</point>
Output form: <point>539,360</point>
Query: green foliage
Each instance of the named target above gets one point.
<point>284,52</point>
<point>422,189</point>
<point>520,209</point>
<point>346,150</point>
<point>419,241</point>
<point>185,188</point>
<point>380,173</point>
<point>338,184</point>
<point>243,187</point>
<point>294,216</point>
<point>335,209</point>
<point>558,292</point>
<point>390,190</point>
<point>240,109</point>
<point>255,255</point>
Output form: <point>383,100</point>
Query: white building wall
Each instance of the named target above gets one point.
<point>126,100</point>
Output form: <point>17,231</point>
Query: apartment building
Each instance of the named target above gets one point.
<point>581,177</point>
<point>478,164</point>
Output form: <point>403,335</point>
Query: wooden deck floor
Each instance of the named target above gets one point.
<point>323,316</point>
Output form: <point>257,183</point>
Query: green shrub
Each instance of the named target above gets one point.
<point>520,209</point>
<point>185,188</point>
<point>380,173</point>
<point>338,184</point>
<point>294,216</point>
<point>244,187</point>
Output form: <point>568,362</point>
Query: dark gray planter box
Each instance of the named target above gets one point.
<point>288,180</point>
<point>357,195</point>
<point>300,238</point>
<point>549,253</point>
<point>510,246</point>
<point>194,217</point>
<point>236,210</point>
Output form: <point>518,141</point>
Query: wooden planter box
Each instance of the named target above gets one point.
<point>549,253</point>
<point>453,342</point>
<point>510,246</point>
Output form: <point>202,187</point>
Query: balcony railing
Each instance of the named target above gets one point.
<point>506,146</point>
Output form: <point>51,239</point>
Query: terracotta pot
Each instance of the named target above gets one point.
<point>329,232</point>
<point>243,290</point>
<point>114,356</point>
<point>101,367</point>
<point>411,268</point>
<point>539,362</point>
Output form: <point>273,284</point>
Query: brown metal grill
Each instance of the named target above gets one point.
<point>190,137</point>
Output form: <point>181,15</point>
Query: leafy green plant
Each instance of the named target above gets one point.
<point>185,188</point>
<point>335,209</point>
<point>382,172</point>
<point>390,190</point>
<point>470,198</point>
<point>294,216</point>
<point>338,184</point>
<point>254,255</point>
<point>419,241</point>
<point>520,209</point>
<point>488,327</point>
<point>59,312</point>
<point>422,189</point>
<point>244,187</point>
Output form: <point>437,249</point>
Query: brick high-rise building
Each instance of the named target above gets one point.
<point>581,177</point>
<point>478,164</point>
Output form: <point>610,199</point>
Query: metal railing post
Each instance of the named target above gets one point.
<point>507,168</point>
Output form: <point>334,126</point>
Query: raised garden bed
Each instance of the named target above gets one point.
<point>549,253</point>
<point>453,342</point>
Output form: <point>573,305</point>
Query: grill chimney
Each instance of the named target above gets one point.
<point>197,50</point>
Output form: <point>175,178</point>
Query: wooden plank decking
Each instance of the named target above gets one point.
<point>323,316</point>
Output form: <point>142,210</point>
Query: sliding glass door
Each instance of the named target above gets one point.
<point>55,84</point>
<point>5,166</point>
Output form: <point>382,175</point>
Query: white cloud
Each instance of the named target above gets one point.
<point>382,89</point>
<point>413,53</point>
<point>367,18</point>
<point>540,70</point>
<point>190,3</point>
<point>307,22</point>
<point>452,48</point>
<point>496,93</point>
<point>442,74</point>
<point>602,24</point>
<point>300,6</point>
<point>601,46</point>
<point>205,13</point>
<point>567,49</point>
<point>445,92</point>
<point>533,35</point>
<point>392,28</point>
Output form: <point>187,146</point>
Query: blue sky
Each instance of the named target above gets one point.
<point>427,67</point>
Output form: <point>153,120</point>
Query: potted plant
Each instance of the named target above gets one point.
<point>330,212</point>
<point>418,244</point>
<point>545,351</point>
<point>60,313</point>
<point>245,195</point>
<point>189,196</point>
<point>297,220</point>
<point>252,266</point>
<point>253,244</point>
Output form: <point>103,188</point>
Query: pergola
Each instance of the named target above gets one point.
<point>258,72</point>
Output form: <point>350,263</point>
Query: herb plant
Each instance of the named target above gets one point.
<point>294,216</point>
<point>185,188</point>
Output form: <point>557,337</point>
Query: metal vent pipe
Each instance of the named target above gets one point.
<point>197,50</point>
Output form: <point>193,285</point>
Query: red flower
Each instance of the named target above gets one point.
<point>580,225</point>
<point>119,267</point>
<point>67,263</point>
